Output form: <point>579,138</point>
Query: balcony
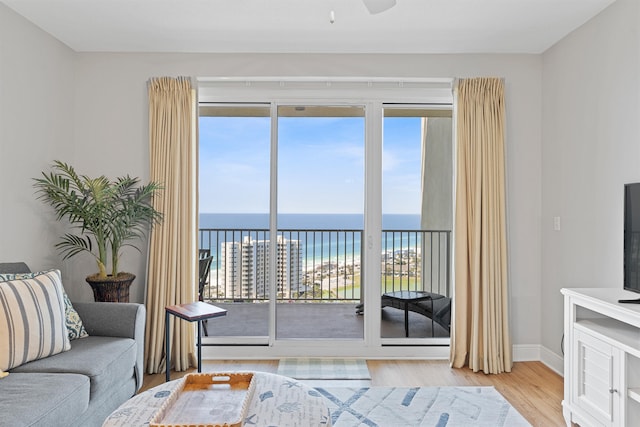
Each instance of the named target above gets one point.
<point>319,280</point>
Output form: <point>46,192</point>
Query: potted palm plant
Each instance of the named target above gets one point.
<point>107,215</point>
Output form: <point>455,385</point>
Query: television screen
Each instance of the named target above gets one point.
<point>632,237</point>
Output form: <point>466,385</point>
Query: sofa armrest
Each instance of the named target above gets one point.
<point>122,320</point>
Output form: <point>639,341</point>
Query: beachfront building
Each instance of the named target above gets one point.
<point>245,267</point>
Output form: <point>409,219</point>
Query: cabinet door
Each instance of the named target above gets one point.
<point>595,376</point>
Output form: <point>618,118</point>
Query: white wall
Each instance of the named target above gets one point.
<point>112,86</point>
<point>36,126</point>
<point>590,148</point>
<point>110,136</point>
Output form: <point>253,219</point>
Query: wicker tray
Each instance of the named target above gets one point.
<point>207,400</point>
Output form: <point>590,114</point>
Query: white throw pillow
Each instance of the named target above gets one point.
<point>32,319</point>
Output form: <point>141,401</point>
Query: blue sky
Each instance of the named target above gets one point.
<point>320,165</point>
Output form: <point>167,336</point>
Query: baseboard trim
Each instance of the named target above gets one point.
<point>535,353</point>
<point>526,353</point>
<point>554,361</point>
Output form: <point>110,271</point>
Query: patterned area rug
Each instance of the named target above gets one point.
<point>324,369</point>
<point>420,406</point>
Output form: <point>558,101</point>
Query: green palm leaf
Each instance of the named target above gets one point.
<point>108,214</point>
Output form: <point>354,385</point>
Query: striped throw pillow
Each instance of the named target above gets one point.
<point>75,327</point>
<point>32,320</point>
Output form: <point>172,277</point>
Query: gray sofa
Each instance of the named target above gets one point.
<point>82,386</point>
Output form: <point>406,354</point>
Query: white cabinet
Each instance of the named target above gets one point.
<point>602,358</point>
<point>595,382</point>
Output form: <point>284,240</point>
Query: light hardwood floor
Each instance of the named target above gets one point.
<point>531,387</point>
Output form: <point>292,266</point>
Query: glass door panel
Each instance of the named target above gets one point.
<point>234,168</point>
<point>416,222</point>
<point>320,221</point>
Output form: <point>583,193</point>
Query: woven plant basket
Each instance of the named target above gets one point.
<point>110,289</point>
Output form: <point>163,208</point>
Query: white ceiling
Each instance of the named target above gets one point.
<point>412,26</point>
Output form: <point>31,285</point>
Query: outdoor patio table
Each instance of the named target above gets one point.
<point>410,297</point>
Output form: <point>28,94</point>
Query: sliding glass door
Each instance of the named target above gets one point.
<point>320,185</point>
<point>317,206</point>
<point>234,194</point>
<point>416,223</point>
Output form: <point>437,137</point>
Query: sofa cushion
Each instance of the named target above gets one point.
<point>107,361</point>
<point>32,321</point>
<point>14,267</point>
<point>75,328</point>
<point>43,400</point>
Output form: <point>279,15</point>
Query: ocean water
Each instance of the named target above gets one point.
<point>307,221</point>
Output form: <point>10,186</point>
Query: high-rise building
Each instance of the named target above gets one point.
<point>245,266</point>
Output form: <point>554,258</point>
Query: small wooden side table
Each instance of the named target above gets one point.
<point>192,312</point>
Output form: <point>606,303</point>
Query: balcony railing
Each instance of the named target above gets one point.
<point>316,265</point>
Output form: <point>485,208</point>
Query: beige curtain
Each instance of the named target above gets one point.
<point>480,326</point>
<point>172,248</point>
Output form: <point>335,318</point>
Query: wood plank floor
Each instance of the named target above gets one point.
<point>531,387</point>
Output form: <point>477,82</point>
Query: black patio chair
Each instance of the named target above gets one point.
<point>204,266</point>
